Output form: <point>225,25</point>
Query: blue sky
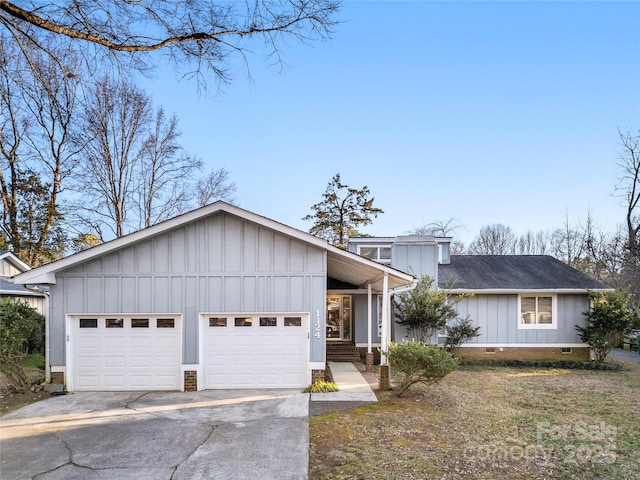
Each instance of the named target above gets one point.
<point>491,112</point>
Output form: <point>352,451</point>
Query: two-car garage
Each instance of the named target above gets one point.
<point>144,352</point>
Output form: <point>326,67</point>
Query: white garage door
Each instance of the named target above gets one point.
<point>255,351</point>
<point>125,353</point>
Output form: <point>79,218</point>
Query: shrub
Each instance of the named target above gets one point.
<point>426,309</point>
<point>460,333</point>
<point>608,316</point>
<point>321,387</point>
<point>417,362</point>
<point>20,326</point>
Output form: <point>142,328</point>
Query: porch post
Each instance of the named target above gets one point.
<point>384,367</point>
<point>385,319</point>
<point>369,358</point>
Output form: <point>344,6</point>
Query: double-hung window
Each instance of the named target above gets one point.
<point>537,311</point>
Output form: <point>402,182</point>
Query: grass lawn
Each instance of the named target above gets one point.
<point>488,423</point>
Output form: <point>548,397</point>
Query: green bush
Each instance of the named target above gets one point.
<point>417,362</point>
<point>459,333</point>
<point>20,327</point>
<point>321,387</point>
<point>609,315</point>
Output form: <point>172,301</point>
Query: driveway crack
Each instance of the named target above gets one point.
<point>213,429</point>
<point>128,404</point>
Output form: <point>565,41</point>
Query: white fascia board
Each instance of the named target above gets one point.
<point>525,345</point>
<point>35,277</point>
<point>376,240</point>
<point>516,291</point>
<point>46,273</point>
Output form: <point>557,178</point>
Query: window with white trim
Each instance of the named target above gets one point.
<point>378,253</point>
<point>537,311</point>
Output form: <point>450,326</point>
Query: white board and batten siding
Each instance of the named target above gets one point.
<point>124,352</point>
<point>265,350</point>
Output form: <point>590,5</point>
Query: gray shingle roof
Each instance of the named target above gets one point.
<point>526,272</point>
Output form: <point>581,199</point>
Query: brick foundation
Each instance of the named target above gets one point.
<point>523,353</point>
<point>190,381</point>
<point>57,377</point>
<point>317,376</point>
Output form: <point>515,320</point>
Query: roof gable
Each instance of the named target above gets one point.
<point>513,272</point>
<point>342,265</point>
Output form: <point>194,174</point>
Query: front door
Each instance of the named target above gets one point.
<point>338,317</point>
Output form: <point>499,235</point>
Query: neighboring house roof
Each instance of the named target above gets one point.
<point>513,273</point>
<point>10,289</point>
<point>15,261</point>
<point>341,265</point>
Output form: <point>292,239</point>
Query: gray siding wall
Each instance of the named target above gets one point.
<point>497,316</point>
<point>416,259</point>
<point>218,264</point>
<point>360,312</point>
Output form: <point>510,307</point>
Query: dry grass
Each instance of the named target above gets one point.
<point>487,423</point>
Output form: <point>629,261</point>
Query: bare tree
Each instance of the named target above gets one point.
<point>443,228</point>
<point>196,34</point>
<point>117,114</point>
<point>629,184</point>
<point>440,228</point>
<point>568,244</point>
<point>162,186</point>
<point>39,147</point>
<point>495,239</point>
<point>533,243</point>
<point>215,186</point>
<point>135,172</point>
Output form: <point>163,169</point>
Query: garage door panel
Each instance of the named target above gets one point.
<point>114,361</point>
<point>263,355</point>
<point>114,381</point>
<point>127,358</point>
<point>140,362</point>
<point>142,342</point>
<point>89,342</point>
<point>89,382</point>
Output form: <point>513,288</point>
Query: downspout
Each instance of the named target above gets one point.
<point>47,342</point>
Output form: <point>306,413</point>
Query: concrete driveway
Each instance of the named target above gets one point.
<point>245,434</point>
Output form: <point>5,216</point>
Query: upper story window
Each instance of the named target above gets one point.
<point>377,253</point>
<point>537,311</point>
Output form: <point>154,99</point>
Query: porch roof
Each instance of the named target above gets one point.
<point>356,270</point>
